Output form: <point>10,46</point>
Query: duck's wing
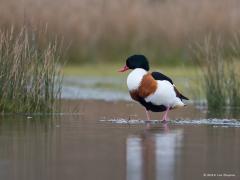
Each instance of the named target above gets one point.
<point>161,77</point>
<point>178,94</point>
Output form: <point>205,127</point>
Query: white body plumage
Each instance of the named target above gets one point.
<point>134,78</point>
<point>164,93</point>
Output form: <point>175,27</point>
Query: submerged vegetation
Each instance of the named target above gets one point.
<point>30,78</point>
<point>220,63</point>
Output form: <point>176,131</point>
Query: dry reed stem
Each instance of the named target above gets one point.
<point>102,27</point>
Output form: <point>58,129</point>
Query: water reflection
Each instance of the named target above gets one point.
<point>27,147</point>
<point>153,154</point>
<point>225,112</point>
<point>80,147</point>
<point>134,158</point>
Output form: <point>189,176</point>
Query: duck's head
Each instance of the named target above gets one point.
<point>136,61</point>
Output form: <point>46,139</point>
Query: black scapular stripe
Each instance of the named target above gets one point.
<point>160,76</point>
<point>179,94</point>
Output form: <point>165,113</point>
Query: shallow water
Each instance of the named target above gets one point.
<point>99,88</point>
<point>214,122</point>
<point>86,147</point>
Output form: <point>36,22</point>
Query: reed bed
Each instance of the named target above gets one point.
<point>110,30</point>
<point>30,77</point>
<point>220,64</point>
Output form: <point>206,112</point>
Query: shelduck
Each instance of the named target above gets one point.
<point>154,90</point>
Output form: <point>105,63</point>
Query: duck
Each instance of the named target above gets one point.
<point>153,90</point>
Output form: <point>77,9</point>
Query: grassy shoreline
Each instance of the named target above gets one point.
<point>186,78</point>
<point>29,74</point>
<point>111,70</point>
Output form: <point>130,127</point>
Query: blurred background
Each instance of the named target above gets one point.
<point>108,31</point>
<point>179,37</point>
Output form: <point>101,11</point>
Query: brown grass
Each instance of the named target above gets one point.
<point>30,76</point>
<point>113,29</point>
<point>220,71</point>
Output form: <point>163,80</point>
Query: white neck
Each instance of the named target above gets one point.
<point>134,78</point>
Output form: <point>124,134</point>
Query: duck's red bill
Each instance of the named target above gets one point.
<point>125,68</point>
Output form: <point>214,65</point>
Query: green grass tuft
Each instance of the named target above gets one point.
<point>220,63</point>
<point>30,78</point>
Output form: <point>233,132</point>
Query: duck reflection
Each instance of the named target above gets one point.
<point>134,158</point>
<point>153,154</point>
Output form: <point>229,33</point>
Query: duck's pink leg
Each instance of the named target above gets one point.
<point>148,115</point>
<point>165,116</point>
<point>148,119</point>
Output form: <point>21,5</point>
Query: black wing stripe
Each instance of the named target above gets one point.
<point>160,76</point>
<point>179,94</point>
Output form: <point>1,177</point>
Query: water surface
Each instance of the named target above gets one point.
<point>81,146</point>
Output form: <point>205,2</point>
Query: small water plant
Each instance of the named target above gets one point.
<point>219,63</point>
<point>30,74</point>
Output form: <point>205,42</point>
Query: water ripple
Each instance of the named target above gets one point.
<point>215,122</point>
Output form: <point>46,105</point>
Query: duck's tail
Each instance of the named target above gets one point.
<point>178,104</point>
<point>179,95</point>
<point>183,97</point>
